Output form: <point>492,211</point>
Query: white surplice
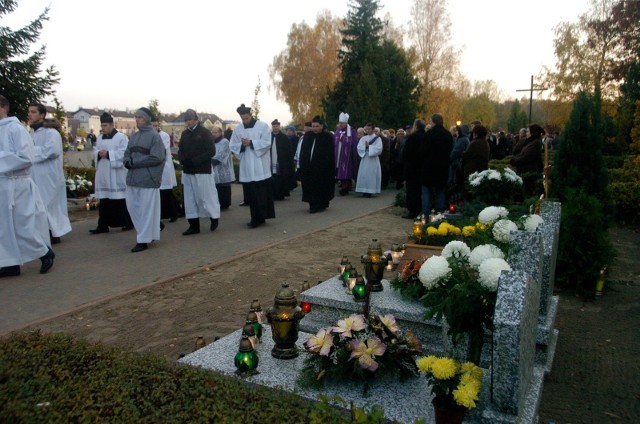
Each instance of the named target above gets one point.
<point>111,175</point>
<point>144,207</point>
<point>200,196</point>
<point>23,220</point>
<point>369,172</point>
<point>169,172</point>
<point>48,174</point>
<point>255,161</point>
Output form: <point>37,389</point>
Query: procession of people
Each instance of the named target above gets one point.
<point>135,176</point>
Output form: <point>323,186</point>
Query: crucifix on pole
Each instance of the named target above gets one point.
<point>531,90</point>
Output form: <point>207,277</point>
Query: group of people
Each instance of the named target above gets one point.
<point>135,175</point>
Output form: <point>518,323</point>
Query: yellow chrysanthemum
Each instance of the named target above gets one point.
<point>424,363</point>
<point>455,231</point>
<point>481,226</point>
<point>444,225</point>
<point>466,396</point>
<point>432,231</point>
<point>468,230</point>
<point>469,380</point>
<point>443,231</point>
<point>444,368</point>
<point>472,369</point>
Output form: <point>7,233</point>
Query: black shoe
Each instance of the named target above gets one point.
<point>139,247</point>
<point>127,228</point>
<point>190,231</point>
<point>214,224</point>
<point>243,204</point>
<point>47,261</point>
<point>367,195</point>
<point>316,210</point>
<point>253,224</point>
<point>10,271</point>
<point>99,230</point>
<point>55,240</point>
<point>161,226</point>
<point>173,219</point>
<point>343,192</point>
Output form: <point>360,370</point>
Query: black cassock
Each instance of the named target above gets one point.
<point>317,169</point>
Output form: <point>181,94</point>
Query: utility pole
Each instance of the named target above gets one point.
<point>531,90</point>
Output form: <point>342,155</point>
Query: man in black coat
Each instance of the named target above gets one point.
<point>434,156</point>
<point>411,165</point>
<point>281,162</point>
<point>317,167</point>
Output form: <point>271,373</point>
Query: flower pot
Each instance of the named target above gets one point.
<point>447,411</point>
<point>419,251</point>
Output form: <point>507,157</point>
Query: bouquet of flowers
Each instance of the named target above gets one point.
<point>78,187</point>
<point>407,280</point>
<point>461,287</point>
<point>492,186</point>
<point>453,383</point>
<point>358,347</point>
<point>437,234</point>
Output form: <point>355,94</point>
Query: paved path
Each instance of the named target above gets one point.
<point>91,268</point>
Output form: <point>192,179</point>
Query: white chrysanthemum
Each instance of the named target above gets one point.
<point>502,229</point>
<point>494,175</point>
<point>433,270</point>
<point>484,252</point>
<point>475,182</point>
<point>510,175</point>
<point>532,222</point>
<point>491,214</point>
<point>457,249</point>
<point>489,272</point>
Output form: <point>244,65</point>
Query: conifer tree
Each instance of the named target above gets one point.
<point>21,79</point>
<point>376,83</point>
<point>517,118</point>
<point>578,162</point>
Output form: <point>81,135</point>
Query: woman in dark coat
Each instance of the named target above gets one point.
<point>476,157</point>
<point>529,158</point>
<point>317,167</point>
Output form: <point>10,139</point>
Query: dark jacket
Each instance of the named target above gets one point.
<point>285,154</point>
<point>197,147</point>
<point>529,159</point>
<point>476,157</point>
<point>411,159</point>
<point>317,172</point>
<point>434,153</point>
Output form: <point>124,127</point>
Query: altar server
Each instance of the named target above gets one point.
<point>111,177</point>
<point>48,173</point>
<point>23,220</point>
<point>369,172</point>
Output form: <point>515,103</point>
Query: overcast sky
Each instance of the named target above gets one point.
<point>208,55</point>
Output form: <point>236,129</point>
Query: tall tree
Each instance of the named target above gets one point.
<point>479,107</point>
<point>589,52</point>
<point>21,79</point>
<point>630,90</point>
<point>255,105</point>
<point>308,67</point>
<point>517,118</point>
<point>153,107</point>
<point>437,60</point>
<point>365,55</point>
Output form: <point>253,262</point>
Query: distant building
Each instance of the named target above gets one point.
<point>89,119</point>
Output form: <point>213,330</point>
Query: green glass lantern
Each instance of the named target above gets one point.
<point>359,289</point>
<point>258,330</point>
<point>246,360</point>
<point>344,277</point>
<point>249,331</point>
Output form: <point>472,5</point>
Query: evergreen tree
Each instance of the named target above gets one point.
<point>630,90</point>
<point>21,79</point>
<point>376,83</point>
<point>517,118</point>
<point>578,162</point>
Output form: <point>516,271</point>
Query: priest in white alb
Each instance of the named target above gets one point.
<point>369,172</point>
<point>251,144</point>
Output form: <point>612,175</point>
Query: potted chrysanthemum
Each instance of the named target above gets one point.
<point>461,287</point>
<point>494,186</point>
<point>456,386</point>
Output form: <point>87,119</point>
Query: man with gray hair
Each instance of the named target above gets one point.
<point>144,158</point>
